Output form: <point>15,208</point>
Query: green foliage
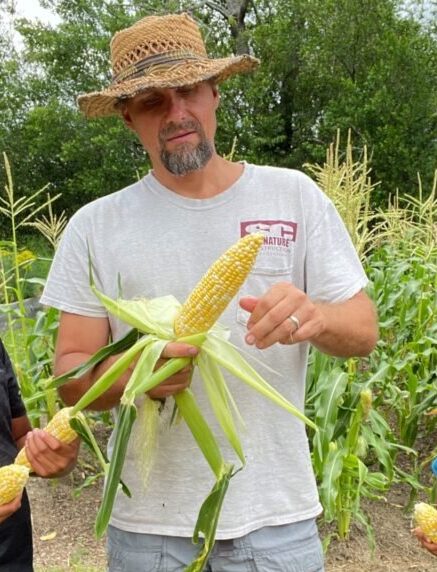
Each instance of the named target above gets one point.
<point>326,66</point>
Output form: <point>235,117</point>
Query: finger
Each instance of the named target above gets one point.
<point>44,440</point>
<point>248,303</point>
<point>179,349</point>
<point>265,303</point>
<point>39,454</point>
<point>273,326</point>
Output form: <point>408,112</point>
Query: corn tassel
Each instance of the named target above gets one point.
<point>218,286</point>
<point>59,427</point>
<point>13,479</point>
<point>425,517</point>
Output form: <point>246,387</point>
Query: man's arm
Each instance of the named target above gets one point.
<point>341,329</point>
<point>79,337</point>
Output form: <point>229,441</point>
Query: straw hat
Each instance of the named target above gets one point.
<point>159,52</point>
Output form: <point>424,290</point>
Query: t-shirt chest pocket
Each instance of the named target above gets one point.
<point>261,279</point>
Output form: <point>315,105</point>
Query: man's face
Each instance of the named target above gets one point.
<point>176,126</point>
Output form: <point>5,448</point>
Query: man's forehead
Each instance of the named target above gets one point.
<point>160,90</point>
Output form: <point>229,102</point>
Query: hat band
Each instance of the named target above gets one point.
<point>139,68</point>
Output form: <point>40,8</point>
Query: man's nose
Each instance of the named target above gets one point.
<point>176,107</point>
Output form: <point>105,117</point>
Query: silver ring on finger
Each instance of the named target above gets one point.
<point>295,321</point>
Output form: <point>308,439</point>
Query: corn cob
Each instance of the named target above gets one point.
<point>13,479</point>
<point>217,287</point>
<point>425,517</point>
<point>59,427</point>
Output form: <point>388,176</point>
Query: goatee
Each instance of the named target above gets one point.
<point>187,157</point>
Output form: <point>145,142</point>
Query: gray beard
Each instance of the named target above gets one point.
<point>185,158</point>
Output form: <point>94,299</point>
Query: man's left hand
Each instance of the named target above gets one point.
<point>270,320</point>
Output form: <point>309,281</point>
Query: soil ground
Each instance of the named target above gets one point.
<point>64,537</point>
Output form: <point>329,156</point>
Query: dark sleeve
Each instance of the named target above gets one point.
<point>15,402</point>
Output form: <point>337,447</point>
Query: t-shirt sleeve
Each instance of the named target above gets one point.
<point>333,271</point>
<point>68,283</point>
<point>17,407</point>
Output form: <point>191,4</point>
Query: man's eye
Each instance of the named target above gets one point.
<point>186,90</point>
<point>150,102</point>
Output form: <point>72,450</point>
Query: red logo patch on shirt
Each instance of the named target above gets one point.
<point>276,232</point>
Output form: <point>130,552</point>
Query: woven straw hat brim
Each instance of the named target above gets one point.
<point>103,103</point>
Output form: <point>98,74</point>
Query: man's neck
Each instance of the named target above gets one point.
<point>217,176</point>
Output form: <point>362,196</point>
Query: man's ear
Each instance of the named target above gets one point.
<point>126,117</point>
<point>215,93</point>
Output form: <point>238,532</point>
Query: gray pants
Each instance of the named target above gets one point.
<point>289,548</point>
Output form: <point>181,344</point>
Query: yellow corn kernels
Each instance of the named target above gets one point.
<point>218,286</point>
<point>13,479</point>
<point>425,517</point>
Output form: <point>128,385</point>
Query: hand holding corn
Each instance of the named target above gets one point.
<point>425,516</point>
<point>53,451</point>
<point>8,509</point>
<point>49,453</point>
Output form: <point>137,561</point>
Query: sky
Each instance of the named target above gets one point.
<point>32,9</point>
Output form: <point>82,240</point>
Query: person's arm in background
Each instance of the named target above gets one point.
<point>79,337</point>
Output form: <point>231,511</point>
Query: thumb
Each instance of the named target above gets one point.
<point>248,303</point>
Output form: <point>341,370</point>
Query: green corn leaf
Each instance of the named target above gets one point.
<point>227,356</point>
<point>208,518</point>
<point>200,430</point>
<point>218,392</point>
<point>80,425</point>
<point>155,316</point>
<point>126,416</point>
<point>111,375</point>
<point>330,486</point>
<point>172,366</point>
<point>144,367</point>
<point>117,347</point>
<point>330,387</point>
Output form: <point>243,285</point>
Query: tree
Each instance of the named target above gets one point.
<point>326,65</point>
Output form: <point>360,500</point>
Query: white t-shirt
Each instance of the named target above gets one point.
<point>155,242</point>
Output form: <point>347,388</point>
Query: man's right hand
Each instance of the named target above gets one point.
<point>180,380</point>
<point>79,337</point>
<point>6,510</point>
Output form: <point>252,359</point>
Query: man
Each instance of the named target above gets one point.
<point>158,237</point>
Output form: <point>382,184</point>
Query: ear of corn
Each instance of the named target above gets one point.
<point>425,517</point>
<point>59,427</point>
<point>13,479</point>
<point>218,286</point>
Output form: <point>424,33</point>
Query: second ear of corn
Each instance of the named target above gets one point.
<point>59,427</point>
<point>217,287</point>
<point>425,516</point>
<point>13,479</point>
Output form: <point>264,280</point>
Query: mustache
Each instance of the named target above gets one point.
<point>174,128</point>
